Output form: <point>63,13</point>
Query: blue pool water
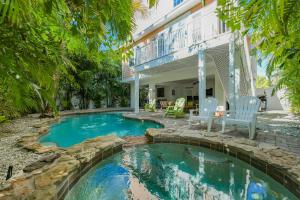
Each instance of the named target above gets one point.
<point>173,171</point>
<point>75,129</point>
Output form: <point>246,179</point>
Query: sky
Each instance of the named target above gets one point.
<point>261,68</point>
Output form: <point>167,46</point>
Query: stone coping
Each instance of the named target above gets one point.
<point>31,141</point>
<point>282,166</point>
<point>96,110</point>
<point>54,180</point>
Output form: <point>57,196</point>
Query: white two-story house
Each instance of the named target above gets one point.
<point>182,49</point>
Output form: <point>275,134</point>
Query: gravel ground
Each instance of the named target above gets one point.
<point>10,154</point>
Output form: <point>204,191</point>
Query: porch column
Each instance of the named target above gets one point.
<point>136,92</point>
<point>132,91</point>
<point>201,78</point>
<point>232,75</point>
<point>152,92</point>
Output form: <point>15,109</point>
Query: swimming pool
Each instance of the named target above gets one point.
<point>75,129</point>
<point>174,171</point>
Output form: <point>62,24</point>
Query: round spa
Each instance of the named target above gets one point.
<point>174,171</point>
<point>78,128</point>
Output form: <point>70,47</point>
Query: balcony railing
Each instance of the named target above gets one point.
<point>187,33</point>
<point>164,44</point>
<point>174,40</point>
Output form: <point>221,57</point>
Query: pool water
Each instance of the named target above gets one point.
<point>75,129</point>
<point>173,171</point>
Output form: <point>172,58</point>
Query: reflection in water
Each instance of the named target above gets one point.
<point>170,171</point>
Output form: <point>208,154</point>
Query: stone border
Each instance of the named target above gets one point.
<point>279,173</point>
<point>54,180</point>
<point>31,142</point>
<point>73,178</point>
<point>94,111</point>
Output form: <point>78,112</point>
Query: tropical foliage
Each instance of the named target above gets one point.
<point>100,84</point>
<point>40,38</point>
<point>262,82</point>
<point>274,26</point>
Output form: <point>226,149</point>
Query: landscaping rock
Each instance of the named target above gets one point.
<point>41,163</point>
<point>43,130</point>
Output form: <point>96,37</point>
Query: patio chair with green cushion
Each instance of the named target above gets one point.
<point>177,109</point>
<point>151,106</point>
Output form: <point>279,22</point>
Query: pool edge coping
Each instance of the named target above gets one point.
<point>278,173</point>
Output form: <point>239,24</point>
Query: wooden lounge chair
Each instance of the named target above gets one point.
<point>207,113</point>
<point>244,114</point>
<point>177,110</point>
<point>151,107</point>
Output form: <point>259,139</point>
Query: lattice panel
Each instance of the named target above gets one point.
<point>222,62</point>
<point>244,81</point>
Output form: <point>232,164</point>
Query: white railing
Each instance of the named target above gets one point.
<point>162,45</point>
<point>174,40</point>
<point>192,30</point>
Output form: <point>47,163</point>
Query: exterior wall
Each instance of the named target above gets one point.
<point>154,17</point>
<point>275,102</point>
<point>167,50</point>
<point>176,38</point>
<point>190,88</point>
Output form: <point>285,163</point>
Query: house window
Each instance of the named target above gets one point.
<point>222,27</point>
<point>177,2</point>
<point>131,61</point>
<point>160,92</point>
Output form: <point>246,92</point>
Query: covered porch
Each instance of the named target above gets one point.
<point>213,72</point>
<point>166,93</point>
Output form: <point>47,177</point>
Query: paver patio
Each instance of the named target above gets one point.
<point>271,129</point>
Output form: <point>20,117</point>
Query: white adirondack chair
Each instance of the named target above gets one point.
<point>245,114</point>
<point>206,114</point>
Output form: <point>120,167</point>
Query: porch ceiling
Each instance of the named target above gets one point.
<point>187,62</point>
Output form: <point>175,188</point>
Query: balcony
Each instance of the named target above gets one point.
<point>188,32</point>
